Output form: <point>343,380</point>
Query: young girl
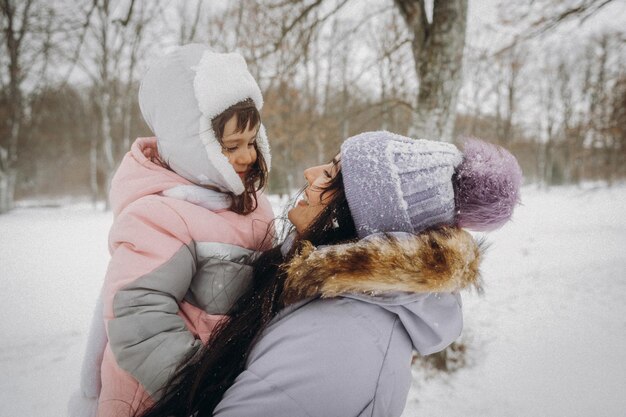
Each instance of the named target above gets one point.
<point>187,221</point>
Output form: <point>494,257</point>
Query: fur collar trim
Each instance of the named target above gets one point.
<point>441,260</point>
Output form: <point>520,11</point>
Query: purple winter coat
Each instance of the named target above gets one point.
<point>344,347</point>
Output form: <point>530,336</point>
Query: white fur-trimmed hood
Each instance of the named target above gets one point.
<point>180,94</point>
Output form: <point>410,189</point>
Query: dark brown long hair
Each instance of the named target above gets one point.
<point>247,116</point>
<point>200,382</point>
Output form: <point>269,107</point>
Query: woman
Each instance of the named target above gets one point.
<point>370,274</point>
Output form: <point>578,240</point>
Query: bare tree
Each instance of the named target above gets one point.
<point>570,138</point>
<point>605,96</point>
<point>438,54</point>
<point>476,98</point>
<point>189,20</point>
<point>537,18</point>
<point>16,22</point>
<point>617,131</point>
<point>27,39</point>
<point>510,63</point>
<point>548,117</point>
<point>388,40</point>
<point>116,43</point>
<point>437,47</point>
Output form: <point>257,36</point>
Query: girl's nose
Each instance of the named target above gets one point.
<point>245,157</point>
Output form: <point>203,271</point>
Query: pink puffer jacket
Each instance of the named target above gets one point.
<point>175,269</point>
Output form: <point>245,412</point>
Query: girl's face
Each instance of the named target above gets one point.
<point>239,147</point>
<point>312,202</point>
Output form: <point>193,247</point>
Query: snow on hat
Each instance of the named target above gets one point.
<point>179,96</point>
<point>395,183</point>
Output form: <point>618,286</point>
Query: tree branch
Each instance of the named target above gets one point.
<point>81,41</point>
<point>414,14</point>
<point>128,15</point>
<point>194,26</point>
<point>544,25</point>
<point>287,29</point>
<point>25,22</point>
<point>303,15</point>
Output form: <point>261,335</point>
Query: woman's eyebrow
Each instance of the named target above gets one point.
<point>334,161</point>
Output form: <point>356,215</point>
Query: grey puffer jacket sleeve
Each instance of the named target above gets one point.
<point>334,357</point>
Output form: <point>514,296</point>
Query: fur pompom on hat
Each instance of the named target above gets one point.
<point>486,186</point>
<point>398,184</point>
<point>180,94</point>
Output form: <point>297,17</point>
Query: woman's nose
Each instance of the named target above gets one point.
<point>311,174</point>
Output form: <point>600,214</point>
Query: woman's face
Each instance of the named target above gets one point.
<point>238,147</point>
<point>312,202</point>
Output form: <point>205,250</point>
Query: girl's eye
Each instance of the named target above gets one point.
<point>327,174</point>
<point>233,149</point>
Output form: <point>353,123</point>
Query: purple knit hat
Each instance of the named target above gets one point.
<point>395,183</point>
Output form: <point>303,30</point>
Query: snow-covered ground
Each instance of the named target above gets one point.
<point>547,338</point>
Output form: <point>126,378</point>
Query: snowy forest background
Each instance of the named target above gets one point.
<point>544,78</point>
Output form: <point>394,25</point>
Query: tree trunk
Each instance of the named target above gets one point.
<point>93,169</point>
<point>13,38</point>
<point>8,172</point>
<point>438,54</point>
<point>7,189</point>
<point>540,160</point>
